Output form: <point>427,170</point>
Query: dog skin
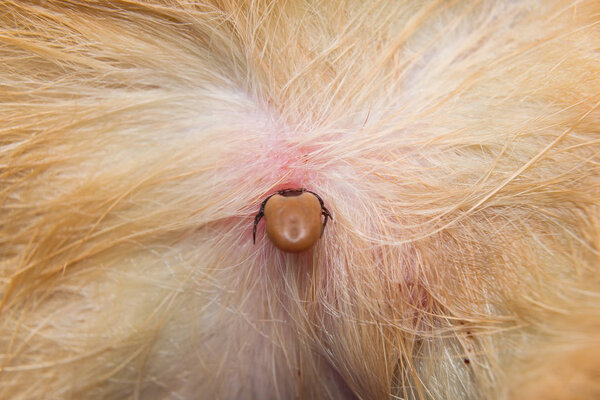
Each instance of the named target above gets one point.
<point>455,143</point>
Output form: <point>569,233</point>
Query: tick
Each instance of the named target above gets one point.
<point>293,218</point>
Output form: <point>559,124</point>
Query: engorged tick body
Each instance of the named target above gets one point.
<point>293,219</point>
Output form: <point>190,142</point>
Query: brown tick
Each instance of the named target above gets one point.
<point>293,218</point>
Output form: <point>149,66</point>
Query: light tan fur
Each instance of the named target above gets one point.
<point>456,144</point>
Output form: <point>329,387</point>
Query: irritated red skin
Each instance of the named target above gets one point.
<point>293,223</point>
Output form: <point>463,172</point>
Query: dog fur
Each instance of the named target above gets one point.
<point>456,144</point>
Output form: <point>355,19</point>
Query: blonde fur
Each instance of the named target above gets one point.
<point>455,142</point>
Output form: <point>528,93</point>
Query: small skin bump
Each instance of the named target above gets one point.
<point>293,219</point>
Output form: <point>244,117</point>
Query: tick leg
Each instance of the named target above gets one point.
<point>318,198</point>
<point>325,212</point>
<point>258,216</point>
<point>256,220</point>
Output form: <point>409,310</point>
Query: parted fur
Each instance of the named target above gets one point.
<point>456,143</point>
